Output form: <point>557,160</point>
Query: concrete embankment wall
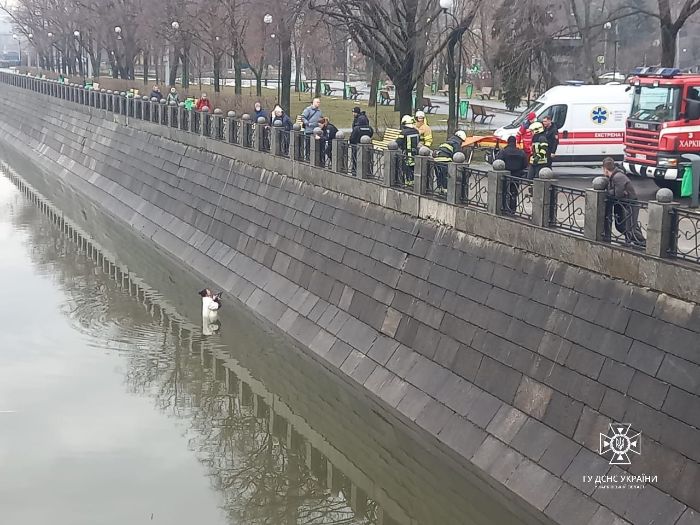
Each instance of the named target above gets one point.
<point>513,361</point>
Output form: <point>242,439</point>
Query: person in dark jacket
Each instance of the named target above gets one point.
<point>155,93</point>
<point>258,111</point>
<point>329,132</point>
<point>443,156</point>
<point>356,111</point>
<point>408,144</point>
<point>624,213</point>
<point>279,114</point>
<point>539,156</point>
<point>516,163</point>
<point>551,132</point>
<point>361,128</point>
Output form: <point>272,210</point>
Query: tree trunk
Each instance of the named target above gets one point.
<point>420,87</point>
<point>404,94</point>
<point>217,72</point>
<point>174,60</point>
<point>286,69</point>
<point>146,64</point>
<point>237,72</point>
<point>668,45</point>
<point>317,85</point>
<point>374,84</point>
<point>297,72</point>
<point>258,81</point>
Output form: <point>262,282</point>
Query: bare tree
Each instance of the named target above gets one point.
<point>394,35</point>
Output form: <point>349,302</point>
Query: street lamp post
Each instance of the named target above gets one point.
<point>77,36</point>
<point>175,26</point>
<point>345,74</point>
<point>279,65</point>
<point>267,20</point>
<point>608,26</point>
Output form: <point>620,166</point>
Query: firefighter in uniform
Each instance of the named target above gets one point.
<point>408,144</point>
<point>539,158</point>
<point>443,156</point>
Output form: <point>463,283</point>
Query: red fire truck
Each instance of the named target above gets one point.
<point>664,123</point>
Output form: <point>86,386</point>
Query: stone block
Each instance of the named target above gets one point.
<point>586,463</point>
<point>651,506</point>
<point>434,417</point>
<point>498,379</point>
<point>571,506</point>
<point>533,397</point>
<point>458,395</point>
<point>683,406</point>
<point>402,360</point>
<point>506,423</point>
<point>689,517</point>
<point>462,436</point>
<point>584,361</point>
<point>382,349</point>
<point>645,358</point>
<point>534,484</point>
<point>647,389</point>
<point>559,455</point>
<point>614,404</point>
<point>680,373</point>
<point>616,375</point>
<point>413,403</point>
<point>428,376</point>
<point>483,409</point>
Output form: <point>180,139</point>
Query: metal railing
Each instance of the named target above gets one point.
<point>625,222</point>
<point>353,159</point>
<point>435,184</point>
<point>196,117</point>
<point>517,197</point>
<point>567,208</point>
<point>283,141</point>
<point>376,166</point>
<point>303,144</point>
<point>403,175</point>
<point>472,187</point>
<point>685,235</point>
<point>266,131</point>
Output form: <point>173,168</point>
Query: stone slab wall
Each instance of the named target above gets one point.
<point>514,362</point>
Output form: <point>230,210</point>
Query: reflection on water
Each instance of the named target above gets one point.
<point>87,349</point>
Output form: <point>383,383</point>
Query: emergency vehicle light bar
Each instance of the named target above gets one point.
<point>665,72</point>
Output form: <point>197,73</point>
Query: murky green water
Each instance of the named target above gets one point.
<point>116,409</point>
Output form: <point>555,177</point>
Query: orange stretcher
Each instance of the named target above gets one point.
<point>489,143</point>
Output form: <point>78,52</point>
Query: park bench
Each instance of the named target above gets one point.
<point>428,106</point>
<point>445,91</point>
<point>485,93</point>
<point>328,90</point>
<point>390,135</point>
<point>385,98</point>
<point>481,113</point>
<point>354,93</point>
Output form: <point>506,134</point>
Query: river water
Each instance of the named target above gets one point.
<point>118,408</point>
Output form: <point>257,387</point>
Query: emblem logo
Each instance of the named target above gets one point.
<point>620,442</point>
<point>599,115</point>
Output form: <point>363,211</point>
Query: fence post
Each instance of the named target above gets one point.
<point>204,121</point>
<point>660,223</point>
<point>594,218</point>
<point>247,139</point>
<point>454,176</point>
<point>421,170</point>
<point>316,149</point>
<point>181,112</point>
<point>495,187</point>
<point>541,197</point>
<point>218,124</point>
<point>390,162</point>
<point>231,128</point>
<point>295,138</point>
<point>259,134</point>
<point>275,142</point>
<point>364,158</point>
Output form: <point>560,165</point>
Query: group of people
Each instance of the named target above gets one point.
<point>174,98</point>
<point>532,148</point>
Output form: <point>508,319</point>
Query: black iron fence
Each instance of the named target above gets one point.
<point>283,141</point>
<point>266,131</point>
<point>625,222</point>
<point>376,166</point>
<point>685,235</point>
<point>435,184</point>
<point>404,172</point>
<point>472,187</point>
<point>517,197</point>
<point>567,208</point>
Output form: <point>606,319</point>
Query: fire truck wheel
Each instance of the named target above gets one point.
<point>673,185</point>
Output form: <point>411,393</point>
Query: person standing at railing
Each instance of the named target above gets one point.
<point>524,135</point>
<point>259,111</point>
<point>625,214</point>
<point>278,114</point>
<point>173,96</point>
<point>203,102</point>
<point>326,138</point>
<point>155,93</point>
<point>426,134</point>
<point>516,163</point>
<point>443,157</point>
<point>360,128</point>
<point>408,144</point>
<point>551,132</point>
<point>539,156</point>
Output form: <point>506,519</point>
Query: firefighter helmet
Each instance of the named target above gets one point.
<point>462,135</point>
<point>420,114</point>
<point>407,120</point>
<point>536,127</point>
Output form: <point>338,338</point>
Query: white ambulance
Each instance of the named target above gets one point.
<point>591,121</point>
